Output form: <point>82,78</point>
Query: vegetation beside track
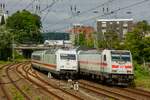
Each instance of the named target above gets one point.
<point>142,76</point>
<point>21,59</point>
<point>4,62</point>
<point>16,94</point>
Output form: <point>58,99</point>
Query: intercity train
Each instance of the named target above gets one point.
<point>60,63</point>
<point>110,66</point>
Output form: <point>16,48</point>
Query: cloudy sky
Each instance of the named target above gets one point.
<point>62,14</point>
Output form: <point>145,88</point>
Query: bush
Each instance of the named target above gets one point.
<point>141,71</point>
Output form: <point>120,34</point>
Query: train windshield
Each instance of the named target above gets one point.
<point>120,56</point>
<point>68,56</point>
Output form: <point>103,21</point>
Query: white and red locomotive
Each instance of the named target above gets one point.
<point>110,66</point>
<point>61,63</point>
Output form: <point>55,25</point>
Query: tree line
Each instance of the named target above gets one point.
<point>137,41</point>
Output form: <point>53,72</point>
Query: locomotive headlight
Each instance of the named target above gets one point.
<point>128,71</point>
<point>114,76</point>
<point>74,67</point>
<point>131,77</point>
<point>114,70</point>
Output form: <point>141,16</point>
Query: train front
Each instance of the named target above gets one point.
<point>122,67</point>
<point>67,63</point>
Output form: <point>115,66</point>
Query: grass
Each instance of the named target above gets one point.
<point>4,62</point>
<point>7,62</point>
<point>16,94</point>
<point>37,98</point>
<point>26,88</point>
<point>142,76</point>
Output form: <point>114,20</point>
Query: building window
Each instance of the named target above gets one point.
<point>111,23</point>
<point>104,25</point>
<point>103,30</point>
<point>117,28</point>
<point>103,22</point>
<point>125,24</point>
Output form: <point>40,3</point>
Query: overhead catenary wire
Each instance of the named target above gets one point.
<point>109,13</point>
<point>48,7</point>
<point>30,4</point>
<point>86,11</point>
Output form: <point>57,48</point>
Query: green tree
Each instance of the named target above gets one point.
<point>137,42</point>
<point>146,49</point>
<point>26,26</point>
<point>108,40</point>
<point>3,20</point>
<point>89,43</point>
<point>80,39</point>
<point>5,43</point>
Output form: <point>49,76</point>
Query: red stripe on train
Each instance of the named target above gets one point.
<point>49,65</point>
<point>92,62</point>
<point>117,66</point>
<point>128,66</point>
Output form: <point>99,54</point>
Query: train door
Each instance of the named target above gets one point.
<point>103,66</point>
<point>103,62</point>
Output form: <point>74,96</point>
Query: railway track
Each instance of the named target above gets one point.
<point>24,70</point>
<point>11,73</point>
<point>51,85</point>
<point>30,76</point>
<point>115,93</point>
<point>138,91</point>
<point>14,83</point>
<point>62,84</point>
<point>27,77</point>
<point>103,91</point>
<point>132,93</point>
<point>5,96</point>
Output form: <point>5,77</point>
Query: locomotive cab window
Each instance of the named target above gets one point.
<point>121,56</point>
<point>67,57</point>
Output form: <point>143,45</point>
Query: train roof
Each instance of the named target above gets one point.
<point>100,51</point>
<point>50,51</point>
<point>120,51</point>
<point>67,51</point>
<point>89,51</point>
<point>39,52</point>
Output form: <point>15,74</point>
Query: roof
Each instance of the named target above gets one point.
<point>55,36</point>
<point>114,20</point>
<point>89,52</point>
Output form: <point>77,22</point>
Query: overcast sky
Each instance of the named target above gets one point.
<point>60,17</point>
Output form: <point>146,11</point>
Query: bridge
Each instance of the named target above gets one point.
<point>32,47</point>
<point>27,49</point>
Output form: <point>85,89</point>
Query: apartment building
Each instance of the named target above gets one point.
<point>120,26</point>
<point>79,28</point>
